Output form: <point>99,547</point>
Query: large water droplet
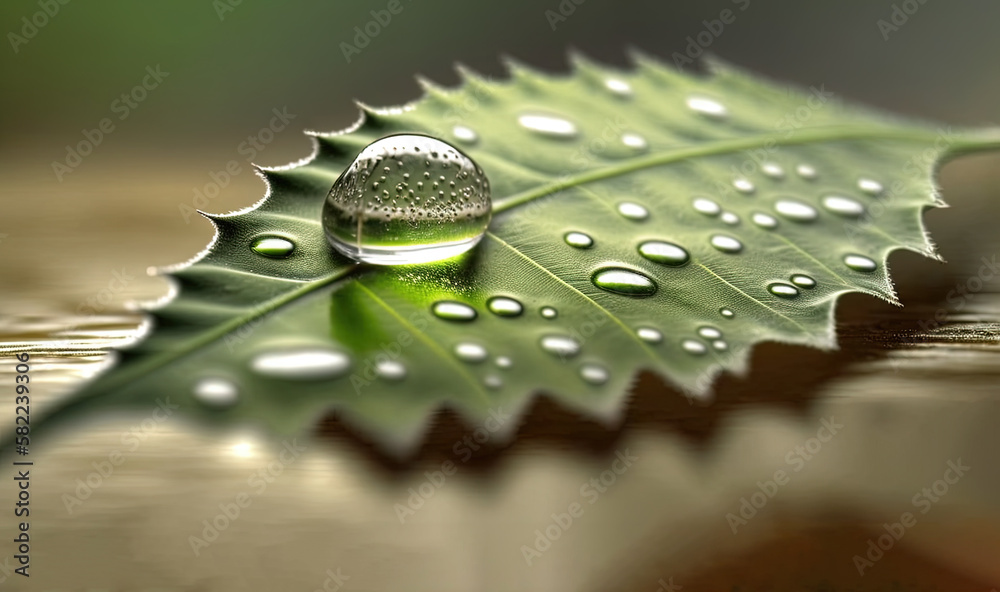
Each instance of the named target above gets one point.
<point>216,392</point>
<point>560,345</point>
<point>707,106</point>
<point>465,134</point>
<point>375,213</point>
<point>783,290</point>
<point>307,363</point>
<point>870,186</point>
<point>504,307</point>
<point>634,141</point>
<point>548,125</point>
<point>844,206</point>
<point>796,210</point>
<point>390,370</point>
<point>549,313</point>
<point>726,243</point>
<point>727,313</point>
<point>860,263</point>
<point>803,281</point>
<point>664,252</point>
<point>275,247</point>
<point>633,211</point>
<point>706,206</point>
<point>578,240</point>
<point>594,374</point>
<point>453,311</point>
<point>764,220</point>
<point>649,335</point>
<point>693,346</point>
<point>618,86</point>
<point>624,281</point>
<point>470,352</point>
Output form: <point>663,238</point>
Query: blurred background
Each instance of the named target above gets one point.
<point>163,97</point>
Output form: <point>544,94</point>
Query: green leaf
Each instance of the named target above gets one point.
<point>652,137</point>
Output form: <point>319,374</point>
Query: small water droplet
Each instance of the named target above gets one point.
<point>560,345</point>
<point>803,281</point>
<point>664,252</point>
<point>618,86</point>
<point>743,185</point>
<point>726,243</point>
<point>578,240</point>
<point>693,346</point>
<point>649,335</point>
<point>764,220</point>
<point>274,247</point>
<point>773,170</point>
<point>493,381</point>
<point>503,306</point>
<point>309,363</point>
<point>709,332</point>
<point>624,281</point>
<point>706,206</point>
<point>594,374</point>
<point>633,211</point>
<point>707,106</point>
<point>359,224</point>
<point>465,134</point>
<point>453,311</point>
<point>471,352</point>
<point>870,186</point>
<point>216,392</point>
<point>548,125</point>
<point>844,206</point>
<point>390,370</point>
<point>634,141</point>
<point>727,313</point>
<point>806,171</point>
<point>860,263</point>
<point>796,210</point>
<point>720,345</point>
<point>730,218</point>
<point>549,313</point>
<point>504,362</point>
<point>783,290</point>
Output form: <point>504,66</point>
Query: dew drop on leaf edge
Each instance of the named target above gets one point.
<point>370,216</point>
